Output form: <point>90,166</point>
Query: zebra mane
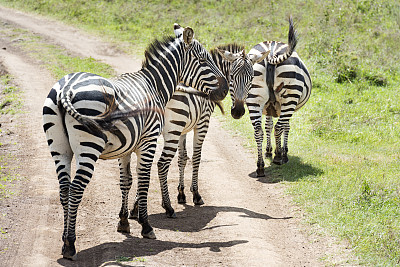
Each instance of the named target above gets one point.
<point>233,48</point>
<point>156,47</point>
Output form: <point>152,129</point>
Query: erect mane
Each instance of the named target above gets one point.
<point>233,48</point>
<point>155,47</point>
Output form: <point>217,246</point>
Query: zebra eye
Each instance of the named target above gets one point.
<point>202,60</point>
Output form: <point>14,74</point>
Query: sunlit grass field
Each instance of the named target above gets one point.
<point>344,144</point>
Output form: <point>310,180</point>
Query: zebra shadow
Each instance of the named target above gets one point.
<point>111,253</point>
<point>198,218</point>
<point>292,171</point>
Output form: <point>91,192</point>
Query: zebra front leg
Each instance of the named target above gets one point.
<point>168,153</point>
<point>125,185</point>
<point>198,139</point>
<point>269,124</point>
<point>258,135</point>
<point>182,160</point>
<point>145,156</point>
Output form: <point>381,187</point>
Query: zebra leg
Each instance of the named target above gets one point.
<point>285,149</point>
<point>134,214</point>
<point>83,175</point>
<point>182,160</point>
<point>145,156</point>
<point>168,153</point>
<point>258,135</point>
<point>278,148</point>
<point>282,127</point>
<point>63,169</point>
<point>125,185</point>
<point>198,139</point>
<point>269,125</point>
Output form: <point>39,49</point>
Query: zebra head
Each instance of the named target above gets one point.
<point>199,70</point>
<point>240,77</point>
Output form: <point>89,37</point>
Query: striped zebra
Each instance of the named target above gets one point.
<point>94,117</point>
<point>281,86</point>
<point>188,111</point>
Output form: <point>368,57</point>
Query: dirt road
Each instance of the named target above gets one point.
<point>245,221</point>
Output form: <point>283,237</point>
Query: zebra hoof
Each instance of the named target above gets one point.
<point>69,251</point>
<point>260,172</point>
<point>285,159</point>
<point>197,200</point>
<point>123,227</point>
<point>149,235</point>
<point>147,231</point>
<point>277,160</point>
<point>171,215</point>
<point>181,198</point>
<point>169,212</point>
<point>268,155</point>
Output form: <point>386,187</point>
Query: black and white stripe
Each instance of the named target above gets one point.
<point>92,117</point>
<point>281,86</point>
<point>188,111</point>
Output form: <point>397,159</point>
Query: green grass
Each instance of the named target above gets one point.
<point>344,144</point>
<point>10,102</point>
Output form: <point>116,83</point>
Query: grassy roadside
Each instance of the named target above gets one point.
<point>10,104</point>
<point>344,152</point>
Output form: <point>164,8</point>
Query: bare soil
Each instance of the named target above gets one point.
<point>244,221</point>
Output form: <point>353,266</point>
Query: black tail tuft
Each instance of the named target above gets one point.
<point>292,36</point>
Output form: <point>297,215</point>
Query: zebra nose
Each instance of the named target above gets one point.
<point>238,110</point>
<point>221,92</point>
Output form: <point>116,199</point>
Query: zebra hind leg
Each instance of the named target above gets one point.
<point>182,160</point>
<point>134,214</point>
<point>125,185</point>
<point>281,157</point>
<point>268,130</point>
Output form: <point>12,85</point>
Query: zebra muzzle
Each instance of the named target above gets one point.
<point>237,111</point>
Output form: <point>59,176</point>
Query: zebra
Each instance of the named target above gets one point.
<point>281,86</point>
<point>188,111</point>
<point>94,117</point>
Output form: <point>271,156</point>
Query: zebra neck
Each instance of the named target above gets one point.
<point>162,72</point>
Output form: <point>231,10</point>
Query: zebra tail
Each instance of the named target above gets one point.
<point>292,43</point>
<point>90,123</point>
<point>219,105</point>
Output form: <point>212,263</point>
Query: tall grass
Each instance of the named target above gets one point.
<point>344,144</point>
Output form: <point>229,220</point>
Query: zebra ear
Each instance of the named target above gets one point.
<point>178,30</point>
<point>228,55</point>
<point>258,57</point>
<point>188,35</point>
